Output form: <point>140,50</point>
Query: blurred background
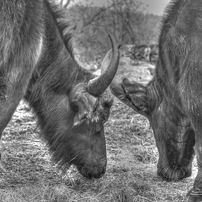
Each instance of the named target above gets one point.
<point>133,23</point>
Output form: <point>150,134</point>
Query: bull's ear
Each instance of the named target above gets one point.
<point>132,94</point>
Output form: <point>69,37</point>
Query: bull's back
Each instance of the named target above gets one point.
<point>21,26</point>
<point>180,40</point>
<point>180,63</point>
<point>182,27</point>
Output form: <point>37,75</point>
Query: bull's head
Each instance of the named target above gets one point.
<point>89,104</point>
<point>172,130</point>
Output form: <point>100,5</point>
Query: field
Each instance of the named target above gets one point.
<point>131,171</point>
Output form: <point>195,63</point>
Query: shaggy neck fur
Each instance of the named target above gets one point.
<point>56,74</point>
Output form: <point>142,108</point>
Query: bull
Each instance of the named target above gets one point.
<point>153,56</point>
<point>141,52</point>
<point>37,63</point>
<point>172,100</point>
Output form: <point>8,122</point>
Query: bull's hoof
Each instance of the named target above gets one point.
<point>194,196</point>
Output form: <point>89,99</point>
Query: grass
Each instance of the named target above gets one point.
<point>131,172</point>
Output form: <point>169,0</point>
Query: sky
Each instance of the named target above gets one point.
<point>153,6</point>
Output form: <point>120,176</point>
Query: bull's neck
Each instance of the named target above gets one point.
<point>58,56</point>
<point>57,71</point>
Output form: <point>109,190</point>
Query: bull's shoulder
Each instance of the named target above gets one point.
<point>21,25</point>
<point>181,27</point>
<point>182,17</point>
<point>17,15</point>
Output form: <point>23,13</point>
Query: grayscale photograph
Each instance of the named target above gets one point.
<point>100,101</point>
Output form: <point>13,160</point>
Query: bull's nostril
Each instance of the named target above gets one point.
<point>96,169</point>
<point>89,176</point>
<point>91,172</point>
<point>97,175</point>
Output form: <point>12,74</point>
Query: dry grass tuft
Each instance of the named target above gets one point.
<point>130,177</point>
<point>131,172</point>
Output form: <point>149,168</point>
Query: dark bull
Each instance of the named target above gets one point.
<point>172,101</point>
<point>37,63</point>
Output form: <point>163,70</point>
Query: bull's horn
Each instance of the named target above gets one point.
<point>98,85</point>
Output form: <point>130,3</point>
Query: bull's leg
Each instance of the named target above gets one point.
<point>192,103</point>
<point>15,75</point>
<point>195,194</point>
<point>14,88</point>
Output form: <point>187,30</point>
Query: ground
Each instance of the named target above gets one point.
<point>131,170</point>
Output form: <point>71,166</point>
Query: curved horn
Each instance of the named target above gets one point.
<point>98,85</point>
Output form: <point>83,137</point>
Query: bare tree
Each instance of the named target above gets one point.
<point>125,20</point>
<point>65,4</point>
